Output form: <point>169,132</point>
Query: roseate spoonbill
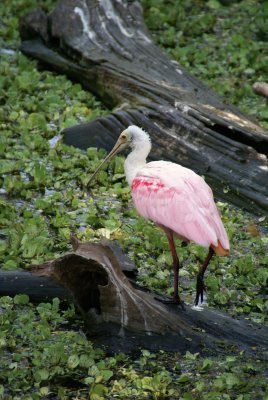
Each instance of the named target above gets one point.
<point>175,198</point>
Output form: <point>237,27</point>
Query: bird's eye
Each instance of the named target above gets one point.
<point>123,136</point>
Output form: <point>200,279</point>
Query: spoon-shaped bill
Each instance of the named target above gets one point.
<point>119,146</point>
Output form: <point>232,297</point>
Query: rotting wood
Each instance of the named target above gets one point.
<point>107,48</point>
<point>125,317</point>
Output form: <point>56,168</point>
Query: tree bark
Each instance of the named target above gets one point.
<point>106,46</point>
<point>125,317</point>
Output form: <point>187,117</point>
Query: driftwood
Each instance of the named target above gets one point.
<point>123,316</point>
<point>106,46</point>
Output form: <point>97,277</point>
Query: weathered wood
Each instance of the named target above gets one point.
<point>106,46</point>
<point>39,289</point>
<point>123,316</point>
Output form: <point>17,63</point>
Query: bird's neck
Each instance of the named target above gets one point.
<point>136,160</point>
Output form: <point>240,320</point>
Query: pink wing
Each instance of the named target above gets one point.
<point>178,198</point>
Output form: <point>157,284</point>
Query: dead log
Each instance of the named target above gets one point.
<point>125,317</point>
<point>37,288</point>
<point>107,48</point>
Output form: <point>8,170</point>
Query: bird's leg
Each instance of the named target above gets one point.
<point>176,268</point>
<point>200,287</point>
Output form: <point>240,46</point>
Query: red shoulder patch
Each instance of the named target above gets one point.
<point>150,183</point>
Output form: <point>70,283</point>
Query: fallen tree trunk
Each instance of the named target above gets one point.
<point>106,47</point>
<point>123,316</point>
<point>37,288</point>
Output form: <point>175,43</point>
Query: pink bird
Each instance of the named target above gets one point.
<point>176,199</point>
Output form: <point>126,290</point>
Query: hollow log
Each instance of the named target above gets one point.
<point>106,46</point>
<point>125,317</point>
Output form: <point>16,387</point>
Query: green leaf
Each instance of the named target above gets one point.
<point>188,396</point>
<point>73,361</point>
<point>232,380</point>
<point>207,364</point>
<point>98,392</point>
<point>21,299</point>
<point>41,374</point>
<point>37,120</point>
<point>89,380</point>
<point>221,298</point>
<point>183,379</point>
<point>39,173</point>
<point>191,356</point>
<point>9,166</point>
<point>107,374</point>
<point>27,80</point>
<point>262,276</point>
<point>10,265</point>
<point>44,391</point>
<point>214,4</point>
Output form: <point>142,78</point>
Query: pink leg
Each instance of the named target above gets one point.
<point>200,287</point>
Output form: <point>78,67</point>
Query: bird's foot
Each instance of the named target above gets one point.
<point>200,289</point>
<point>173,300</point>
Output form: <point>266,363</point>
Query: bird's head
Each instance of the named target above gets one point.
<point>133,136</point>
<point>128,138</point>
<point>124,141</point>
